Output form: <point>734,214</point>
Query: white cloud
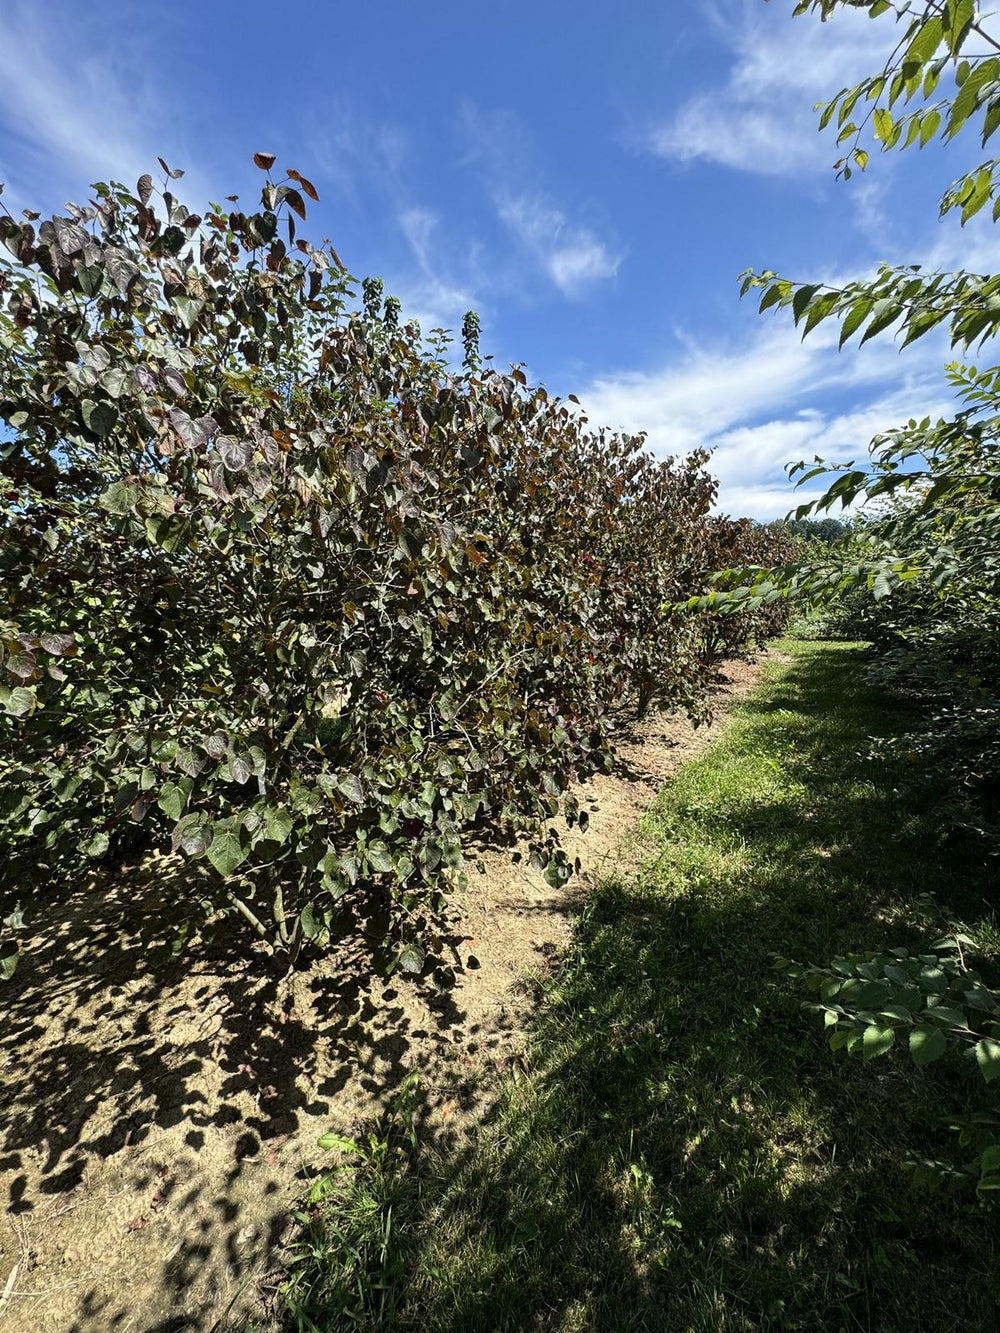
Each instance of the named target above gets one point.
<point>572,256</point>
<point>582,260</point>
<point>355,152</point>
<point>762,118</point>
<point>78,107</point>
<point>952,246</point>
<point>433,303</point>
<point>418,226</point>
<point>684,404</point>
<point>430,296</point>
<point>765,404</point>
<point>750,460</point>
<point>765,503</point>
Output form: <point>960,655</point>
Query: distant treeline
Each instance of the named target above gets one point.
<point>828,530</point>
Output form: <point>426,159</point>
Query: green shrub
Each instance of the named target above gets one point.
<point>289,595</point>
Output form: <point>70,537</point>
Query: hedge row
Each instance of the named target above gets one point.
<point>286,592</point>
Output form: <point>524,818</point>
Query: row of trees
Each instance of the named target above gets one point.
<point>286,592</point>
<point>918,574</point>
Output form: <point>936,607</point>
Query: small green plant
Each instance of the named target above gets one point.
<point>936,1004</point>
<point>355,1229</point>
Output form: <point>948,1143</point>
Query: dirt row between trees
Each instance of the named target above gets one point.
<point>158,1123</point>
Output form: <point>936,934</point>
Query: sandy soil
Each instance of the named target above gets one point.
<point>157,1123</point>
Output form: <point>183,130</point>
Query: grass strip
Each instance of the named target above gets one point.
<point>684,1152</point>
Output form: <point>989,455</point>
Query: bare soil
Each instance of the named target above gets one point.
<point>157,1123</point>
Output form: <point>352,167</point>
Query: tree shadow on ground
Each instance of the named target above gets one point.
<point>204,1083</point>
<point>687,1153</point>
<point>207,1079</point>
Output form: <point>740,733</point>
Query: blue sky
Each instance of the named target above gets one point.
<point>592,181</point>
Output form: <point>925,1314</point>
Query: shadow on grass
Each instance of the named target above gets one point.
<point>681,1150</point>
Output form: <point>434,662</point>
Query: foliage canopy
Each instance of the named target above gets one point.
<point>288,595</point>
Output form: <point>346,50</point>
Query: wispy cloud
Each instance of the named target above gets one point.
<point>430,294</point>
<point>418,226</point>
<point>764,404</point>
<point>761,119</point>
<point>77,106</point>
<point>572,256</point>
<point>361,153</point>
<point>569,252</point>
<point>750,460</point>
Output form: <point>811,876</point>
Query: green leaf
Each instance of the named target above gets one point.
<point>99,418</point>
<point>898,975</point>
<point>925,40</point>
<point>227,851</point>
<point>97,845</point>
<point>876,1040</point>
<point>411,959</point>
<point>921,323</point>
<point>801,299</point>
<point>978,997</point>
<point>350,785</point>
<point>241,767</point>
<point>188,308</point>
<point>929,126</point>
<point>169,532</point>
<point>121,497</point>
<point>172,800</point>
<point>932,978</point>
<point>884,313</point>
<point>770,297</point>
<point>556,873</point>
<point>989,1169</point>
<point>378,857</point>
<point>9,956</point>
<point>277,822</point>
<point>311,927</point>
<point>927,1044</point>
<point>946,1014</point>
<point>330,1141</point>
<point>967,98</point>
<point>19,701</point>
<point>988,1058</point>
<point>957,20</point>
<point>856,316</point>
<point>883,124</point>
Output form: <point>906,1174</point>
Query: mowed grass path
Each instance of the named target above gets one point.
<point>682,1150</point>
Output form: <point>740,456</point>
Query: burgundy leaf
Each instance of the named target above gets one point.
<point>59,645</point>
<point>21,661</point>
<point>192,433</point>
<point>235,454</point>
<point>174,381</point>
<point>295,202</point>
<point>174,175</point>
<point>71,236</point>
<point>217,744</point>
<point>307,185</point>
<point>122,270</point>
